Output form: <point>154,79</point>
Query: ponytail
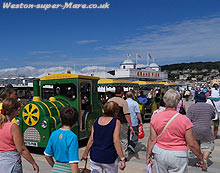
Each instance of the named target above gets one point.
<point>3,119</point>
<point>9,106</point>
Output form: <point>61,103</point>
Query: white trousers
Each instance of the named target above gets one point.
<point>170,161</point>
<point>101,167</point>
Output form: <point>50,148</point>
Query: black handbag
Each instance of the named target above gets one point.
<point>182,110</point>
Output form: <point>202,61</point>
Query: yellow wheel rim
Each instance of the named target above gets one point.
<point>31,114</point>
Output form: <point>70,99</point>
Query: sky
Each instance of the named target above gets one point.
<point>172,31</point>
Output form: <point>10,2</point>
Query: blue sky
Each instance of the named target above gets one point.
<point>172,31</point>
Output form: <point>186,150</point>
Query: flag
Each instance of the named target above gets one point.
<point>149,56</point>
<point>138,56</point>
<point>130,54</point>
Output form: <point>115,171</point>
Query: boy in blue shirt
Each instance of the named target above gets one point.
<point>63,144</point>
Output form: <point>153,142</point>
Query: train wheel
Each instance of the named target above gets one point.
<point>31,114</point>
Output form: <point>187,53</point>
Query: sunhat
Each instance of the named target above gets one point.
<point>200,97</point>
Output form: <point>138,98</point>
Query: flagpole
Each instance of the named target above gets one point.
<point>136,60</point>
<point>147,60</point>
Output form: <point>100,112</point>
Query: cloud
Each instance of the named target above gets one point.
<point>42,52</point>
<point>87,41</point>
<point>89,69</point>
<point>189,40</point>
<point>81,62</point>
<point>4,59</point>
<point>30,71</point>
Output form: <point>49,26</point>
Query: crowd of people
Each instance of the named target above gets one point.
<point>114,135</point>
<point>172,133</point>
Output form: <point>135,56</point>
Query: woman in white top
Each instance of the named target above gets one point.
<point>215,121</point>
<point>215,91</point>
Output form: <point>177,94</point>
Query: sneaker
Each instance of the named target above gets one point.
<point>131,148</point>
<point>205,166</point>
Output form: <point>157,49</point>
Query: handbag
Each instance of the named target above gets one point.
<point>140,132</point>
<point>182,110</point>
<point>84,170</point>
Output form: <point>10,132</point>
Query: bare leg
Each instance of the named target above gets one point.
<point>215,131</point>
<point>205,157</point>
<point>206,154</point>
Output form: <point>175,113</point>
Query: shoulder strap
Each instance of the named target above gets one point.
<point>168,124</point>
<point>214,106</point>
<point>182,103</point>
<point>213,103</point>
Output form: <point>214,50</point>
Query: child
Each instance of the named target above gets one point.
<point>63,144</point>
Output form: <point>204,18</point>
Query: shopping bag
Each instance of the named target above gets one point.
<point>140,132</point>
<point>149,168</point>
<point>190,154</point>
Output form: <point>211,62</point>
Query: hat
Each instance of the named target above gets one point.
<point>201,97</point>
<point>215,83</point>
<point>205,90</point>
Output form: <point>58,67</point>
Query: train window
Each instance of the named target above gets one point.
<point>47,92</point>
<point>85,91</point>
<point>85,95</point>
<point>67,90</point>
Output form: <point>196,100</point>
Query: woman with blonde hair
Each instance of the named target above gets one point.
<point>11,141</point>
<point>104,143</point>
<point>170,133</point>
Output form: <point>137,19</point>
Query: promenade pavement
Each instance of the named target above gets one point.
<point>136,163</point>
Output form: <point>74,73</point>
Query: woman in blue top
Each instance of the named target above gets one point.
<point>63,144</point>
<point>104,143</point>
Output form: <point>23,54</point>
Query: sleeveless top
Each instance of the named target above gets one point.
<point>103,149</point>
<point>6,140</point>
<point>215,93</point>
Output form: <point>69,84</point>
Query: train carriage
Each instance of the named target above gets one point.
<point>153,103</point>
<point>41,116</point>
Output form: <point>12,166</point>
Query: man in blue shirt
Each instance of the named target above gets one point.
<point>135,115</point>
<point>142,98</point>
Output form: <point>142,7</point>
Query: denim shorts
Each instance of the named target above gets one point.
<point>207,146</point>
<point>17,168</point>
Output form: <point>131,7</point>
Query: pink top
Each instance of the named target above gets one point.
<point>207,94</point>
<point>179,105</point>
<point>6,140</point>
<point>173,138</point>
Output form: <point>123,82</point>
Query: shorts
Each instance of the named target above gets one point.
<point>61,167</point>
<point>206,146</point>
<point>215,123</point>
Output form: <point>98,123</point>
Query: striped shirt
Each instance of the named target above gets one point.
<point>201,115</point>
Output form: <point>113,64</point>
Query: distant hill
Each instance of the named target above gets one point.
<point>192,66</point>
